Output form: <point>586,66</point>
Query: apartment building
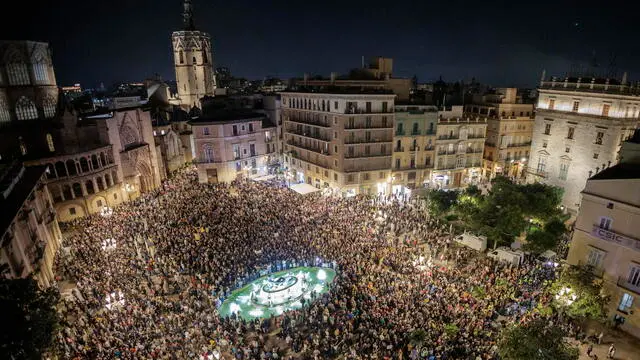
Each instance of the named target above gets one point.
<point>606,235</point>
<point>30,234</point>
<point>413,146</point>
<point>233,144</point>
<point>580,124</point>
<point>509,131</point>
<point>340,139</point>
<point>459,147</point>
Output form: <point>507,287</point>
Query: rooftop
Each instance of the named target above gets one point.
<point>594,85</point>
<point>344,90</point>
<point>619,172</point>
<point>226,116</point>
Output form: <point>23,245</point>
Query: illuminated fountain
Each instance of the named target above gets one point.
<point>279,292</point>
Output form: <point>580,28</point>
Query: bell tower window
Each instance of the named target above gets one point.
<point>181,57</point>
<point>205,58</point>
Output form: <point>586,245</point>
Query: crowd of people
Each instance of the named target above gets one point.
<point>146,280</point>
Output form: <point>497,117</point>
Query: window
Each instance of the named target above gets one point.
<point>205,131</point>
<point>570,133</point>
<point>250,127</point>
<point>181,57</point>
<point>18,74</point>
<point>368,106</point>
<point>544,144</point>
<point>564,171</point>
<point>605,109</point>
<point>235,130</point>
<point>567,149</point>
<point>26,109</point>
<point>236,151</point>
<point>400,130</point>
<point>414,131</point>
<point>367,149</point>
<point>242,127</point>
<point>552,104</point>
<point>50,143</point>
<point>238,166</point>
<point>397,163</point>
<point>626,302</point>
<point>460,162</point>
<point>605,222</point>
<point>542,164</point>
<point>99,203</point>
<point>205,58</point>
<point>72,211</point>
<point>595,257</point>
<point>252,149</point>
<point>335,105</point>
<point>366,176</point>
<point>41,73</point>
<point>5,116</point>
<point>350,151</point>
<point>634,276</point>
<point>381,175</point>
<point>599,137</point>
<point>115,196</point>
<point>350,178</point>
<point>208,153</point>
<point>194,60</point>
<point>335,176</point>
<point>547,129</point>
<point>576,106</point>
<point>595,155</point>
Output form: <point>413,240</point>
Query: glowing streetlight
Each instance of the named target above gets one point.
<point>566,296</point>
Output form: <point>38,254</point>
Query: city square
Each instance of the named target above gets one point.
<point>240,181</point>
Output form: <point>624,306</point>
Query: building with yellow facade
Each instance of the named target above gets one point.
<point>607,234</point>
<point>509,130</point>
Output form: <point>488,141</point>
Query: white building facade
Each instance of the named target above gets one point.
<point>579,127</point>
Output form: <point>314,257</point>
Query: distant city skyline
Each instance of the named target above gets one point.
<point>498,44</point>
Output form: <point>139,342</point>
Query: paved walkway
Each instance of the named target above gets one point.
<point>627,347</point>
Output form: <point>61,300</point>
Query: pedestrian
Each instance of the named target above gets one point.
<point>589,350</point>
<point>612,352</point>
<point>600,337</point>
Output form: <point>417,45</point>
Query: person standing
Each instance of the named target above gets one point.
<point>612,352</point>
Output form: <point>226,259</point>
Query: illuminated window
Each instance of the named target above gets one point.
<point>41,73</point>
<point>605,109</point>
<point>208,153</point>
<point>50,143</point>
<point>49,107</point>
<point>18,74</point>
<point>26,109</point>
<point>552,104</point>
<point>5,116</point>
<point>542,164</point>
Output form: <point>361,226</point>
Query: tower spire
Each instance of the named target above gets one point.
<point>187,16</point>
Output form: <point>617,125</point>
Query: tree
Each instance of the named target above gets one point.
<point>541,201</point>
<point>441,201</point>
<point>579,294</point>
<point>29,318</point>
<point>535,340</point>
<point>547,238</point>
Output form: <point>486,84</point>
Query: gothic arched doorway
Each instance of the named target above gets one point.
<point>145,179</point>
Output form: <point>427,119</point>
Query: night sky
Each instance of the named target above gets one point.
<point>499,43</point>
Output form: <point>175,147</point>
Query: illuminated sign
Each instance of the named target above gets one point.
<point>610,236</point>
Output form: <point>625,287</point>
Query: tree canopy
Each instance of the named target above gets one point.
<point>28,318</point>
<point>535,340</point>
<point>590,301</point>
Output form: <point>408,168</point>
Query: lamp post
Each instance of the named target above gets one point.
<point>565,297</point>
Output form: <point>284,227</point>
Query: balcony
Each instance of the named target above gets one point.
<point>309,148</point>
<point>474,151</point>
<point>399,132</point>
<point>398,149</point>
<point>536,172</point>
<point>415,132</point>
<point>625,284</point>
<point>414,148</point>
<point>366,141</point>
<point>448,137</point>
<point>357,111</point>
<point>447,152</point>
<point>316,136</point>
<point>372,127</point>
<point>613,237</point>
<point>358,156</point>
<point>528,143</point>
<point>323,124</point>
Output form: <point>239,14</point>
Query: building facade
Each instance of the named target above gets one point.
<point>606,237</point>
<point>579,127</point>
<point>339,140</point>
<point>459,147</point>
<point>414,144</point>
<point>193,61</point>
<point>509,132</point>
<point>28,87</point>
<point>233,145</point>
<point>30,232</point>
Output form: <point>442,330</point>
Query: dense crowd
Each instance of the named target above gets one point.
<point>152,291</point>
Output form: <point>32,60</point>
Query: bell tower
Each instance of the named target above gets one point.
<point>193,61</point>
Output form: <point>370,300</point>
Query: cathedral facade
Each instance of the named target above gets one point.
<point>193,61</point>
